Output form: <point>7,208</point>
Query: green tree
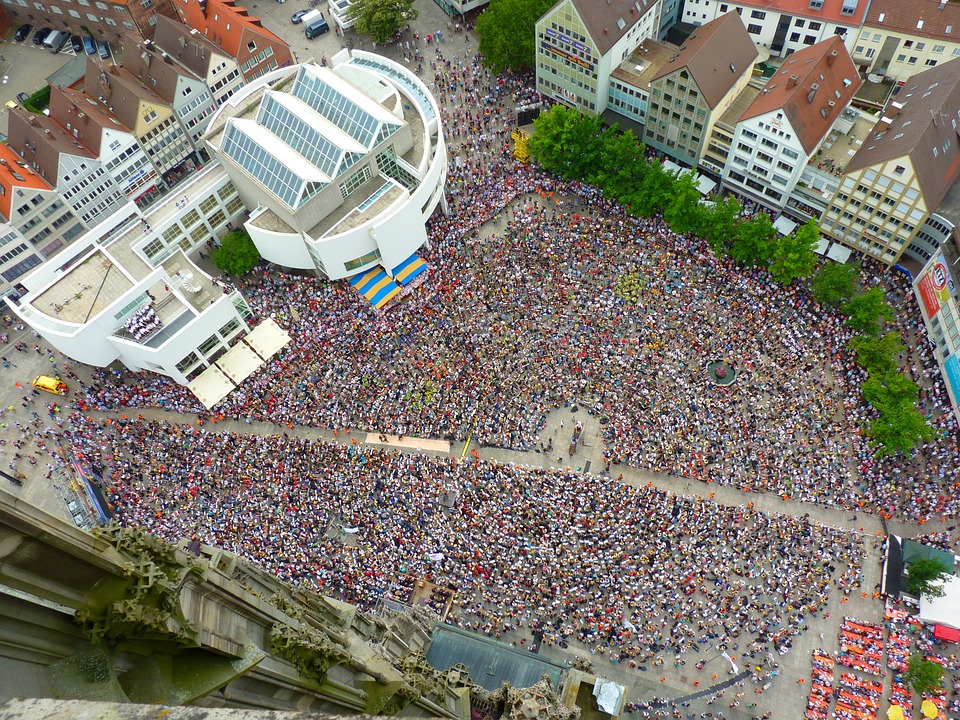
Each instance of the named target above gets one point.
<point>653,193</point>
<point>793,255</point>
<point>921,574</point>
<point>381,19</point>
<point>924,676</point>
<point>876,354</point>
<point>835,283</point>
<point>866,312</point>
<point>683,211</point>
<point>898,426</point>
<point>567,142</point>
<point>719,222</point>
<point>237,254</point>
<point>754,241</point>
<point>622,164</point>
<point>507,31</point>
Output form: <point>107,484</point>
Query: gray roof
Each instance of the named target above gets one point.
<point>920,119</point>
<point>489,663</point>
<point>603,20</point>
<point>716,55</point>
<point>68,74</point>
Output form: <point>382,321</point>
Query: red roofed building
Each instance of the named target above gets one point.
<point>36,221</point>
<point>237,33</point>
<point>105,20</point>
<point>780,27</point>
<point>900,39</point>
<point>788,120</point>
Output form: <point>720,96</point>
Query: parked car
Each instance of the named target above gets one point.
<point>76,42</point>
<point>40,35</point>
<point>56,41</point>
<point>11,105</point>
<point>103,49</point>
<point>22,97</point>
<point>89,45</point>
<point>297,17</point>
<point>23,32</point>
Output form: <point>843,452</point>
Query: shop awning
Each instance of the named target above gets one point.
<point>942,632</point>
<point>405,272</point>
<point>267,339</point>
<point>376,286</point>
<point>211,386</point>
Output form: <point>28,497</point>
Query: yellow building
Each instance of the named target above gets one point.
<point>903,170</point>
<point>899,39</point>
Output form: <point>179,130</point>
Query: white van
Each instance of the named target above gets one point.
<point>54,39</point>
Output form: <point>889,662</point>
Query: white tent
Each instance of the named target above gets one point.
<point>239,363</point>
<point>211,386</point>
<point>822,246</point>
<point>945,610</point>
<point>784,225</point>
<point>267,339</point>
<point>705,185</point>
<point>670,166</point>
<point>839,253</point>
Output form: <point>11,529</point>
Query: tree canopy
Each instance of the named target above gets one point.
<point>866,313</point>
<point>381,19</point>
<point>899,426</point>
<point>507,31</point>
<point>834,284</point>
<point>794,256</point>
<point>754,241</point>
<point>921,574</point>
<point>924,676</point>
<point>237,254</point>
<point>877,354</point>
<point>559,130</point>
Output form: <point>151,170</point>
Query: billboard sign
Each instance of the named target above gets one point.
<point>935,286</point>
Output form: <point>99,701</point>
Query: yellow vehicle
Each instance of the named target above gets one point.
<point>51,385</point>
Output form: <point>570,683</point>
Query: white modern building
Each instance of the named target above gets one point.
<point>127,291</point>
<point>340,166</point>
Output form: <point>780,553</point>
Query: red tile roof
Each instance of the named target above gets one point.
<point>809,110</point>
<point>27,178</point>
<point>223,22</point>
<point>932,17</point>
<point>830,12</point>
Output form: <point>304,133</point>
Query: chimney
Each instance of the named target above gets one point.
<point>792,81</point>
<point>832,58</point>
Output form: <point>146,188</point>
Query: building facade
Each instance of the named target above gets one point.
<point>903,171</point>
<point>111,21</point>
<point>787,122</point>
<point>780,27</point>
<point>341,166</point>
<point>900,39</point>
<point>579,43</point>
<point>937,291</point>
<point>692,90</point>
<point>231,28</point>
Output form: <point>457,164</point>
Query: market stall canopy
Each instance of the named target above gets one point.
<point>784,225</point>
<point>929,710</point>
<point>239,363</point>
<point>211,386</point>
<point>894,712</point>
<point>267,339</point>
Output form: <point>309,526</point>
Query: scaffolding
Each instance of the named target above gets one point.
<point>520,151</point>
